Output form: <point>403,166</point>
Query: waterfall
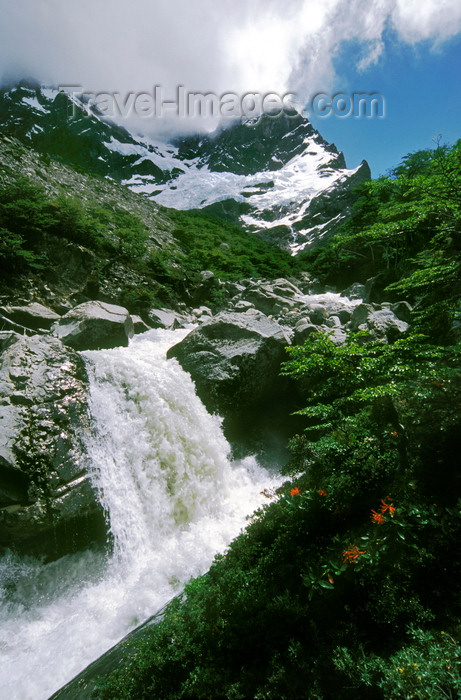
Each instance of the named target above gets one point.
<point>173,499</point>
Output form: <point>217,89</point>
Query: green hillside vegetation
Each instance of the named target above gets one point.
<point>406,228</point>
<point>346,585</point>
<point>29,217</point>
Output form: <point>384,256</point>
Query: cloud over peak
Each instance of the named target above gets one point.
<point>231,46</point>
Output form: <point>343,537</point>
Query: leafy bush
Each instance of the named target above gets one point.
<point>406,228</point>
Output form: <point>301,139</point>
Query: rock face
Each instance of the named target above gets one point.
<point>234,360</point>
<point>47,504</point>
<point>95,325</point>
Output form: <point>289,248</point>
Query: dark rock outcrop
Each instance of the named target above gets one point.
<point>234,360</point>
<point>47,503</point>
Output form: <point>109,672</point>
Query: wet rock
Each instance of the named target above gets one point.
<point>95,325</point>
<point>138,325</point>
<point>234,360</point>
<point>165,318</point>
<point>43,482</point>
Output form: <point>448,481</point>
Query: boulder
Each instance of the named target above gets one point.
<point>385,325</point>
<point>234,360</point>
<point>402,310</point>
<point>284,288</point>
<point>360,315</point>
<point>356,291</point>
<point>33,316</point>
<point>203,313</point>
<point>317,314</point>
<point>303,330</point>
<point>138,325</point>
<point>272,297</point>
<point>243,305</point>
<point>95,325</point>
<point>164,318</point>
<point>47,504</point>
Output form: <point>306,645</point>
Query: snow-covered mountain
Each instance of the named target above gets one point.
<point>277,176</point>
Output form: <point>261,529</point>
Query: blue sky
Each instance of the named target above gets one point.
<point>422,91</point>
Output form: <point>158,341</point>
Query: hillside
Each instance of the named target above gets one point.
<point>293,191</point>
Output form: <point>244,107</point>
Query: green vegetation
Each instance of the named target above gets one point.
<point>30,222</point>
<point>347,584</point>
<point>406,228</point>
<point>225,249</point>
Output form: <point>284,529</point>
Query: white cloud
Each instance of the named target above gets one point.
<point>419,20</point>
<point>205,45</point>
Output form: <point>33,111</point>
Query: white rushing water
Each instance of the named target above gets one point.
<point>173,498</point>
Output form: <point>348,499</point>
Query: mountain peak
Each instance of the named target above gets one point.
<point>275,175</point>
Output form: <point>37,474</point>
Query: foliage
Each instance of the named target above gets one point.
<point>321,593</point>
<point>225,249</point>
<point>29,217</point>
<point>406,228</point>
<point>429,667</point>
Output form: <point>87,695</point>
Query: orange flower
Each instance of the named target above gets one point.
<point>322,492</point>
<point>352,554</point>
<point>295,492</point>
<point>387,507</point>
<point>377,518</point>
<point>330,579</point>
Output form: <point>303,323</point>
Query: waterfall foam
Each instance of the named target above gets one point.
<point>173,500</point>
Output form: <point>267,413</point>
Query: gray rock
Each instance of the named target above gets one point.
<point>33,316</point>
<point>303,330</point>
<point>317,314</point>
<point>402,310</point>
<point>95,325</point>
<point>6,324</point>
<point>385,325</point>
<point>284,288</point>
<point>360,315</point>
<point>202,311</point>
<point>207,276</point>
<point>338,336</point>
<point>243,305</point>
<point>272,297</point>
<point>356,291</point>
<point>164,318</point>
<point>43,411</point>
<point>344,315</point>
<point>234,360</point>
<point>138,325</point>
